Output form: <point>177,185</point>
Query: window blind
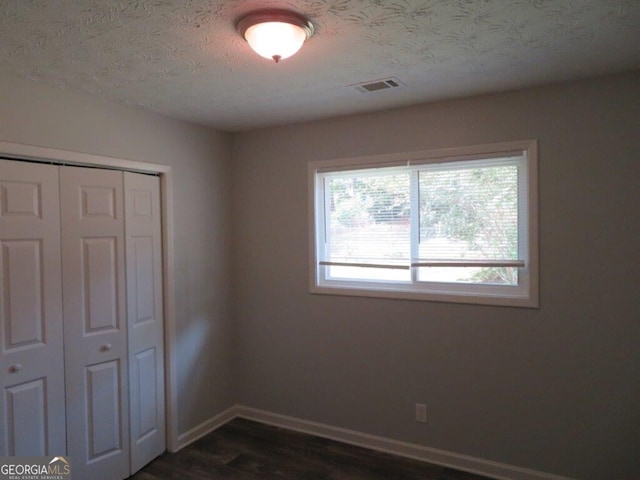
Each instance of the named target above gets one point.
<point>367,220</point>
<point>450,221</point>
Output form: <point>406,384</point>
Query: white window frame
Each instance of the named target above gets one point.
<point>525,294</point>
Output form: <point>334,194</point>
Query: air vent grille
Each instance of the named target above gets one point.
<point>378,85</point>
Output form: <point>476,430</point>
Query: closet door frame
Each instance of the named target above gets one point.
<point>16,151</point>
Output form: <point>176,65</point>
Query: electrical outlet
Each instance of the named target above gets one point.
<point>421,413</point>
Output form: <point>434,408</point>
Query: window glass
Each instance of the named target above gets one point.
<point>469,213</point>
<point>368,225</point>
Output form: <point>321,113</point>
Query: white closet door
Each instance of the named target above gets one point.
<point>95,333</point>
<point>32,409</point>
<point>145,320</point>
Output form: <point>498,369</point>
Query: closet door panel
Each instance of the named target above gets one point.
<point>95,321</point>
<point>32,401</point>
<point>100,285</point>
<point>22,297</point>
<point>144,300</point>
<point>27,426</point>
<point>103,386</point>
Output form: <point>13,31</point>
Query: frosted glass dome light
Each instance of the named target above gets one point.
<point>275,34</point>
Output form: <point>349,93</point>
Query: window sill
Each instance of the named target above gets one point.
<point>501,300</point>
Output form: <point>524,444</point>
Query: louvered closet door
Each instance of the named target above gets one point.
<point>145,320</point>
<point>95,330</point>
<point>32,408</point>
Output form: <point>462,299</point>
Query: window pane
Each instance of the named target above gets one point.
<point>469,213</point>
<point>366,274</point>
<point>368,223</point>
<point>486,275</point>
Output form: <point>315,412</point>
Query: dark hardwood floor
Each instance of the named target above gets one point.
<point>247,450</point>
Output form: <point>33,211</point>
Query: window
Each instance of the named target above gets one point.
<point>456,225</point>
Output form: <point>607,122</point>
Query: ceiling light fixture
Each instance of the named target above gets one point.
<point>275,34</point>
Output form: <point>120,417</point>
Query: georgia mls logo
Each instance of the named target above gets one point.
<point>35,468</point>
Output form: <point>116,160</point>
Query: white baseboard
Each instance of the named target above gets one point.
<point>499,471</point>
<point>205,427</point>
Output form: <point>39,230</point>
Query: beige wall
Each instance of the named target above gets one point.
<point>38,115</point>
<point>554,389</point>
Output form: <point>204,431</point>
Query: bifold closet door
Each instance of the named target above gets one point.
<point>145,319</point>
<point>95,326</point>
<point>88,240</point>
<point>32,406</point>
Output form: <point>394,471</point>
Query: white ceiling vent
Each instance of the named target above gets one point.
<point>377,85</point>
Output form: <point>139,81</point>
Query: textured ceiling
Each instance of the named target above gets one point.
<point>184,59</point>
